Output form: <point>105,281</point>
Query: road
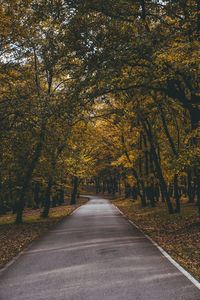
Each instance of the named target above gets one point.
<point>94,254</point>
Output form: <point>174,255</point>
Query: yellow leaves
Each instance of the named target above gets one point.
<point>120,161</point>
<point>124,161</point>
<point>169,20</point>
<point>181,55</point>
<point>81,151</point>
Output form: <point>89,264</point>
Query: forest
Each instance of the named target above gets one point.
<point>104,94</point>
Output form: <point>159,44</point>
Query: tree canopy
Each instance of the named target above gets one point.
<point>101,90</point>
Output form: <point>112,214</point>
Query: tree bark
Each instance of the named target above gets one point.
<point>28,176</point>
<point>47,200</point>
<point>189,187</point>
<point>163,185</point>
<point>74,192</point>
<point>198,191</point>
<point>176,194</point>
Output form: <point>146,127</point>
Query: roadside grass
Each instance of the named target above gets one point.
<point>177,234</point>
<point>14,238</point>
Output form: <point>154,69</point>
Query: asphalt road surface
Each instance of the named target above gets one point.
<point>94,254</point>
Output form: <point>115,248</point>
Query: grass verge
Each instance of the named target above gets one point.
<point>14,238</point>
<point>178,235</point>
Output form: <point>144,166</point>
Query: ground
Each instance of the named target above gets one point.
<point>13,237</point>
<point>177,234</point>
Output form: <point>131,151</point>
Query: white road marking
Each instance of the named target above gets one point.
<point>75,210</point>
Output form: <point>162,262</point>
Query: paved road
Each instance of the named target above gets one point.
<point>95,254</point>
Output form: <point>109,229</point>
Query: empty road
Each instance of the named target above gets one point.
<point>94,254</point>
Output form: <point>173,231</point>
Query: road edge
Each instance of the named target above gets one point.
<point>15,258</point>
<point>164,253</point>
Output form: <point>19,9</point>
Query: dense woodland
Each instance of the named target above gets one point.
<point>103,93</point>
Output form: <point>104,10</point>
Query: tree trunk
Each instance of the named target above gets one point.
<point>134,192</point>
<point>97,182</point>
<point>190,187</point>
<point>47,200</point>
<point>104,187</point>
<point>61,196</point>
<point>163,185</point>
<point>20,208</point>
<point>198,192</point>
<point>141,175</point>
<point>119,186</point>
<point>28,176</point>
<point>151,182</point>
<point>176,194</point>
<point>75,189</point>
<point>157,192</point>
<point>143,195</point>
<point>127,190</point>
<point>36,194</point>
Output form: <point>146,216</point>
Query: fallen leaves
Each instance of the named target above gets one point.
<point>14,238</point>
<point>179,235</point>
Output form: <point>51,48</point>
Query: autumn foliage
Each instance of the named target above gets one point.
<point>103,93</point>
